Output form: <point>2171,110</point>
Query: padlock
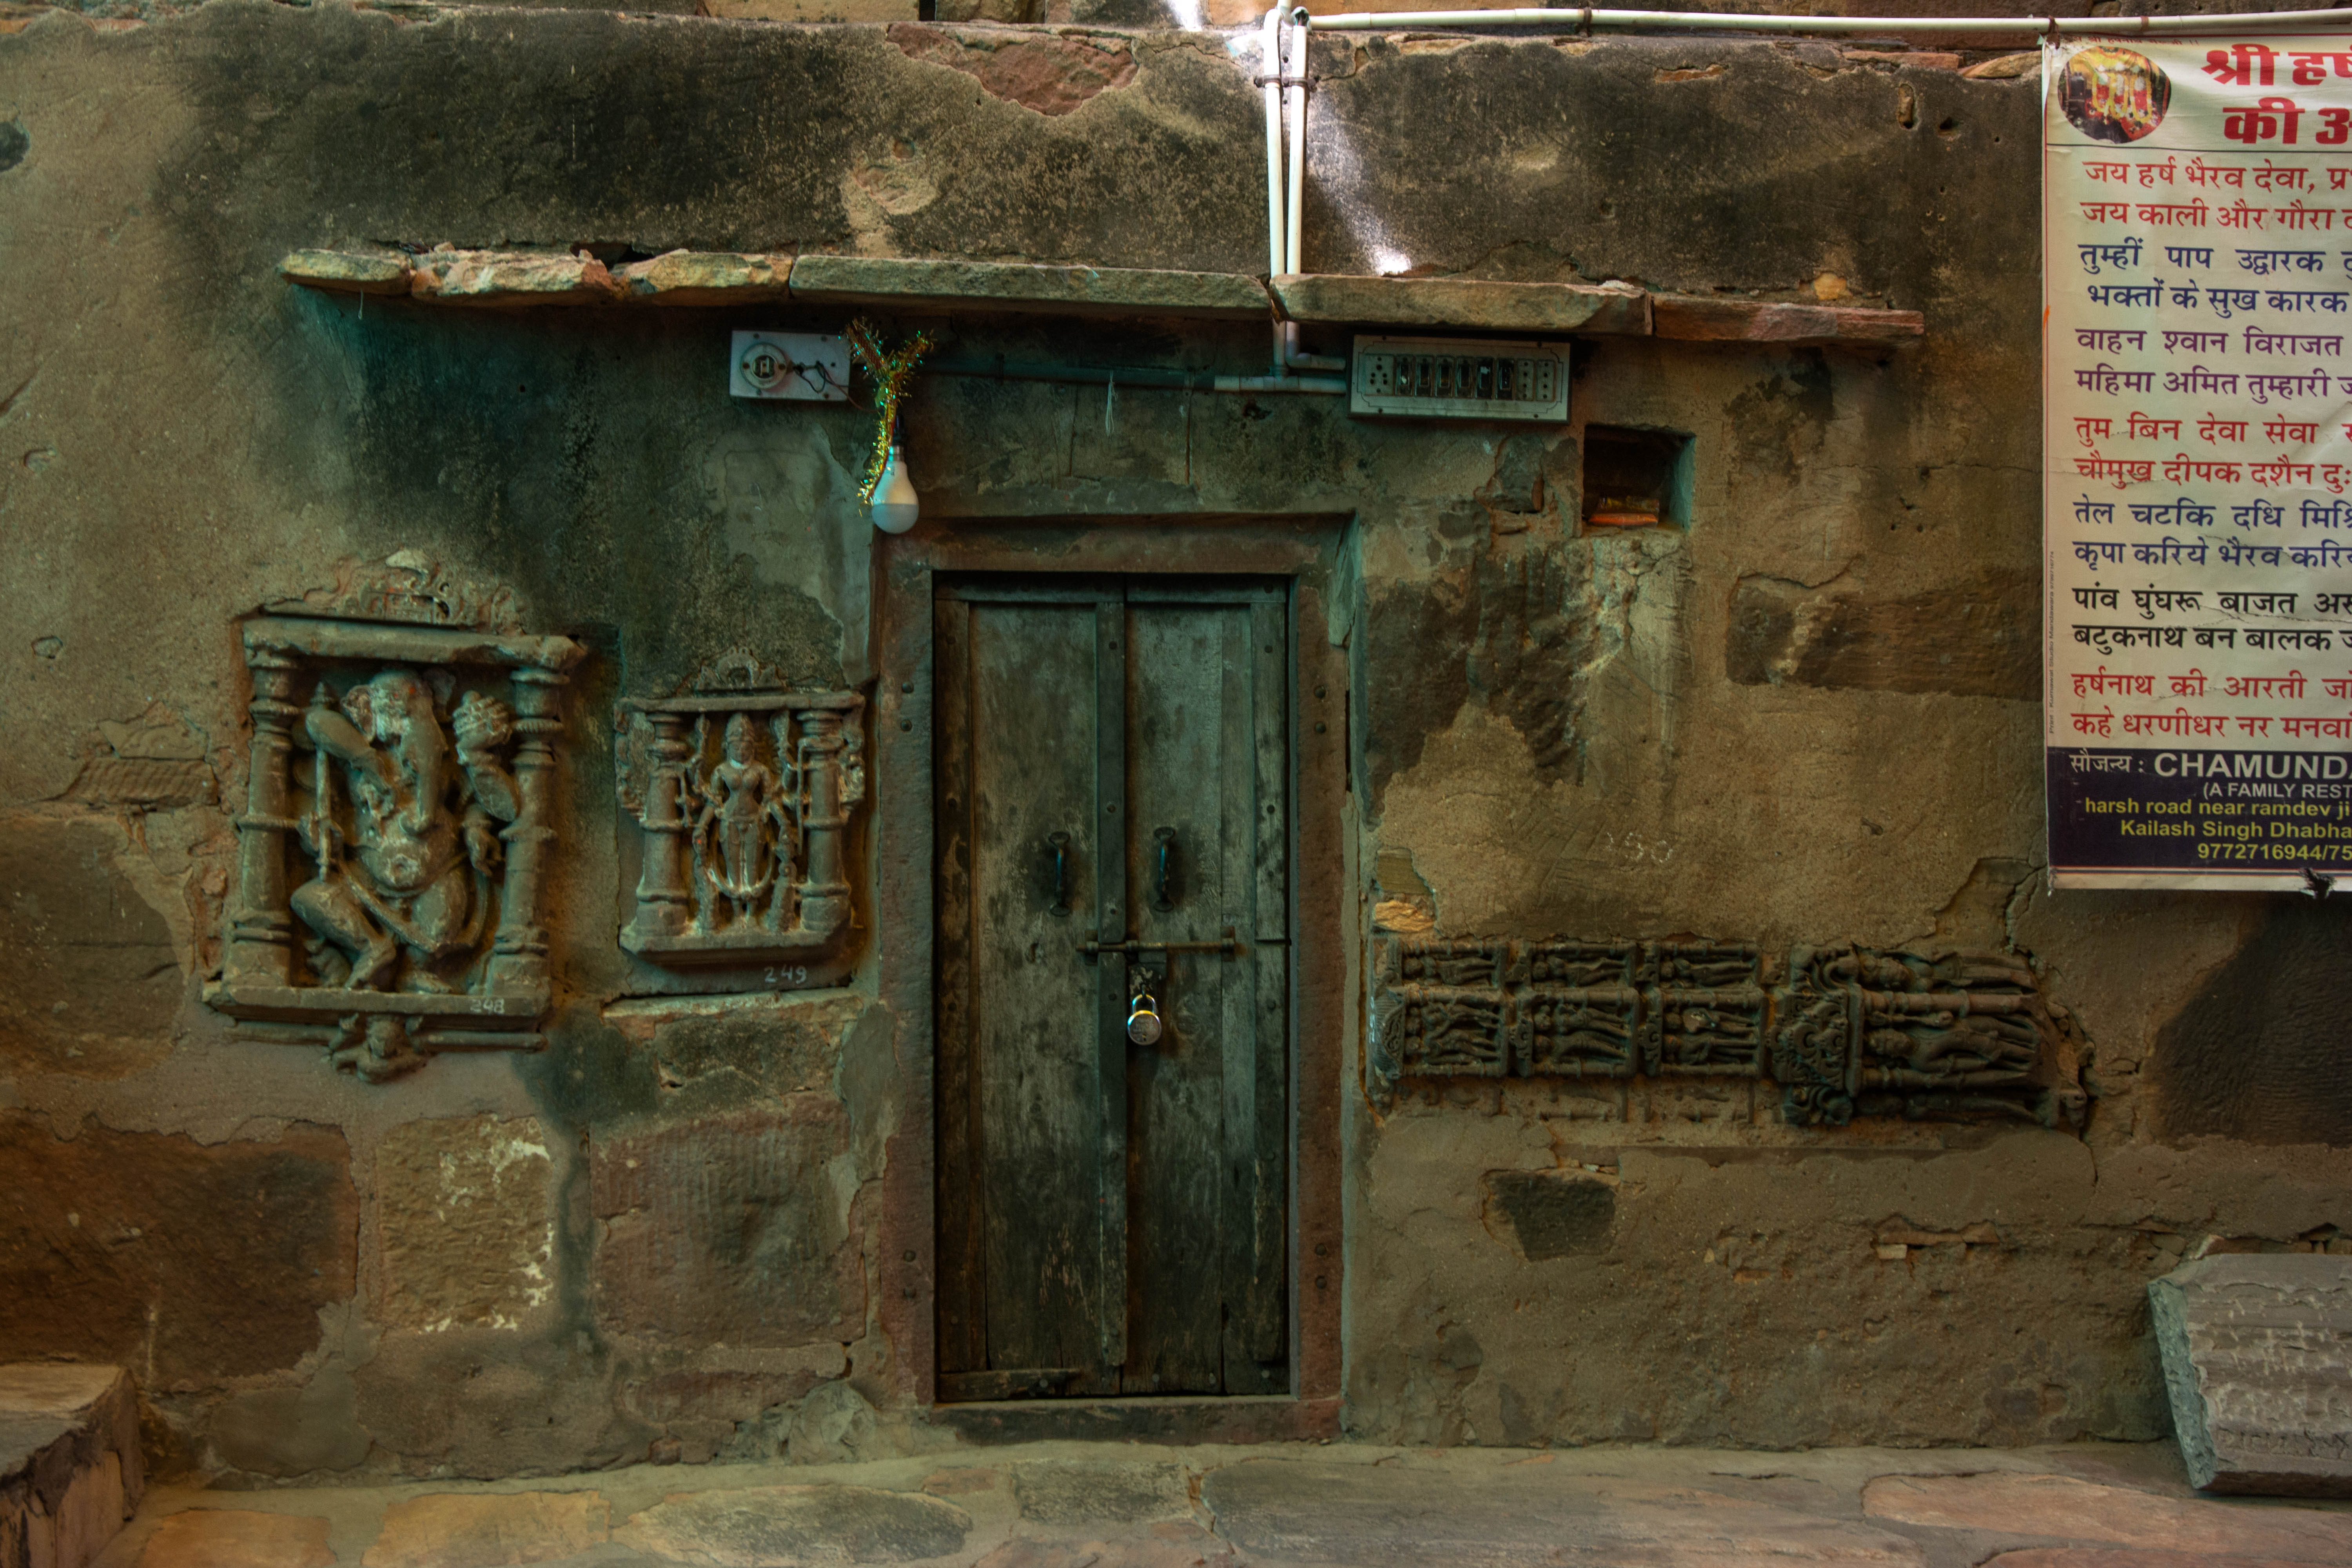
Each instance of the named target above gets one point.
<point>1143,1025</point>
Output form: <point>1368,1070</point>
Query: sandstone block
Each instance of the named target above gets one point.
<point>1792,326</point>
<point>1463,302</point>
<point>93,984</point>
<point>69,1462</point>
<point>200,1261</point>
<point>2257,1353</point>
<point>346,272</point>
<point>2069,1510</point>
<point>1014,286</point>
<point>730,1228</point>
<point>1071,1491</point>
<point>459,1529</point>
<point>511,278</point>
<point>705,278</point>
<point>466,1221</point>
<point>238,1538</point>
<point>759,1526</point>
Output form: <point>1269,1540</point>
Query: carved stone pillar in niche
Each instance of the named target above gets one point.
<point>394,840</point>
<point>744,792</point>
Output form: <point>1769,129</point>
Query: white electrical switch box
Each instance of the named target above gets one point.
<point>803,366</point>
<point>1459,378</point>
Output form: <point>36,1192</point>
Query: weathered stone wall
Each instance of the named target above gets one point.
<point>1807,717</point>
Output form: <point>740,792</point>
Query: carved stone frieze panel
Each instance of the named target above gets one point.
<point>743,792</point>
<point>394,840</point>
<point>1843,1031</point>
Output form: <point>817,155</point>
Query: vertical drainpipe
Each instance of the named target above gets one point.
<point>1276,227</point>
<point>1289,358</point>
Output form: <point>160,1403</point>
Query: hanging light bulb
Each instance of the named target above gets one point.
<point>896,507</point>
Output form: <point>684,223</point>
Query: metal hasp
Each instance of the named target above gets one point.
<point>1230,947</point>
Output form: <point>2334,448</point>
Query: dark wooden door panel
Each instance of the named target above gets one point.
<point>1112,762</point>
<point>1178,736</point>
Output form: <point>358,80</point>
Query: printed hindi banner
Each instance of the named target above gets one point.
<point>2197,277</point>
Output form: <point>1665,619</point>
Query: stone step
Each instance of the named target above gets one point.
<point>70,1468</point>
<point>2257,1351</point>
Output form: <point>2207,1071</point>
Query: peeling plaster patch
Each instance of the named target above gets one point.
<point>1050,76</point>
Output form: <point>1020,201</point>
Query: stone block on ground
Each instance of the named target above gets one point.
<point>70,1466</point>
<point>790,1525</point>
<point>1080,1491</point>
<point>2257,1351</point>
<point>238,1538</point>
<point>1405,1516</point>
<point>2064,1508</point>
<point>488,1530</point>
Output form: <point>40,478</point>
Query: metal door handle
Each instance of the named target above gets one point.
<point>1057,873</point>
<point>1164,882</point>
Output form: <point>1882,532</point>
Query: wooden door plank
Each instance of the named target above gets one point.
<point>1236,1159</point>
<point>1179,733</point>
<point>1034,709</point>
<point>1269,667</point>
<point>1112,651</point>
<point>1262,1305</point>
<point>960,1308</point>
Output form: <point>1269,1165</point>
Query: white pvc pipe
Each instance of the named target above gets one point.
<point>1295,71</point>
<point>1270,67</point>
<point>1579,18</point>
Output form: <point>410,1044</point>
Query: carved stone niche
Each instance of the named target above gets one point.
<point>1846,1031</point>
<point>394,840</point>
<point>744,792</point>
<point>1951,1035</point>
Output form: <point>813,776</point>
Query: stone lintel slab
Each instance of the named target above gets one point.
<point>1791,326</point>
<point>1462,303</point>
<point>423,645</point>
<point>1014,286</point>
<point>2257,1353</point>
<point>347,271</point>
<point>511,278</point>
<point>705,278</point>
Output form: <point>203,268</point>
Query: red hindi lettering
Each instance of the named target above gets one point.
<point>2237,65</point>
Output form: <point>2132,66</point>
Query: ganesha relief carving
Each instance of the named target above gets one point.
<point>743,791</point>
<point>393,840</point>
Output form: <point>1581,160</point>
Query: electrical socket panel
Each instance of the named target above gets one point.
<point>1459,378</point>
<point>805,367</point>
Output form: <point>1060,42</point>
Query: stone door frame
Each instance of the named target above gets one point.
<point>1307,551</point>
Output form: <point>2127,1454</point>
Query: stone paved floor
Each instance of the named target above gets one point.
<point>1081,1505</point>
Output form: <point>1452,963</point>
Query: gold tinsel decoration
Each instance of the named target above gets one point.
<point>891,371</point>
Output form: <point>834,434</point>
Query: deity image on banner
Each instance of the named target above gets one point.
<point>2114,95</point>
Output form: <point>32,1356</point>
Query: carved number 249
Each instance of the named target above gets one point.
<point>789,975</point>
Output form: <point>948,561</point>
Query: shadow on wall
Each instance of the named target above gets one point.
<point>2263,1052</point>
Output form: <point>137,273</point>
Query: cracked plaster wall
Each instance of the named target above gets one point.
<point>1634,735</point>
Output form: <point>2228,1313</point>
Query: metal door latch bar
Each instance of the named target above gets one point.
<point>1230,947</point>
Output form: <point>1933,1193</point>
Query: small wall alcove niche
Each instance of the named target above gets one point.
<point>743,791</point>
<point>395,834</point>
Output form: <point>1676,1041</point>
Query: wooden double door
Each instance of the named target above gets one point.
<point>1113,775</point>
